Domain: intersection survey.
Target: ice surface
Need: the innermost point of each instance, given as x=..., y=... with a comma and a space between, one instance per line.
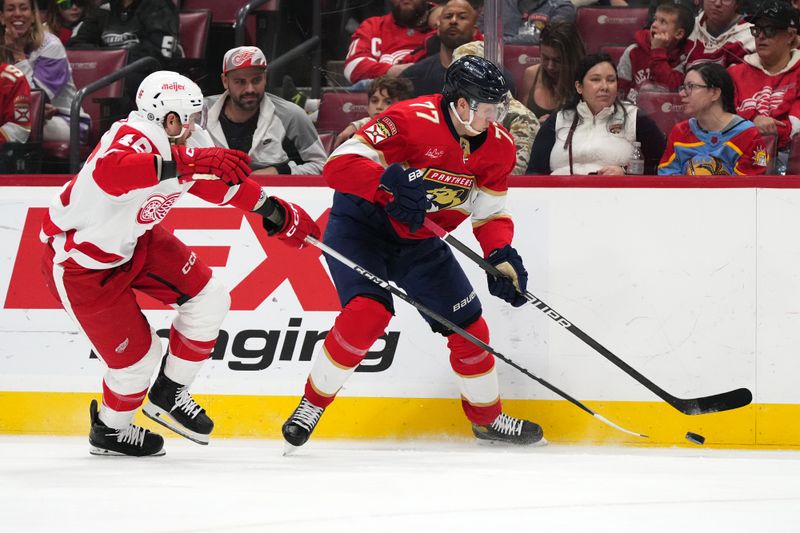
x=52, y=484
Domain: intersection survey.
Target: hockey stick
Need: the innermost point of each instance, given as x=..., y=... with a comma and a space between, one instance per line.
x=468, y=336
x=723, y=401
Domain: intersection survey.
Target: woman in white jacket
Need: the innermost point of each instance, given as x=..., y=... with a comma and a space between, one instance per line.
x=594, y=132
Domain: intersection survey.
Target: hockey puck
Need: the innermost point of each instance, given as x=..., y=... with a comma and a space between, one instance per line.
x=695, y=438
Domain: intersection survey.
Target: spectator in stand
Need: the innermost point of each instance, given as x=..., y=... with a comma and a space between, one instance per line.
x=146, y=28
x=277, y=134
x=15, y=113
x=456, y=27
x=523, y=20
x=594, y=132
x=547, y=85
x=389, y=44
x=383, y=91
x=520, y=121
x=768, y=82
x=715, y=141
x=64, y=17
x=720, y=34
x=42, y=58
x=657, y=59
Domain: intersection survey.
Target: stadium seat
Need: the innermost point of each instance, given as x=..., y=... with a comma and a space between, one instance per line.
x=337, y=110
x=88, y=66
x=614, y=50
x=516, y=58
x=665, y=108
x=599, y=26
x=37, y=116
x=193, y=38
x=327, y=139
x=225, y=12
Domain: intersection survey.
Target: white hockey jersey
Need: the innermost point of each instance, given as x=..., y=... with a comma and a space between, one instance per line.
x=97, y=218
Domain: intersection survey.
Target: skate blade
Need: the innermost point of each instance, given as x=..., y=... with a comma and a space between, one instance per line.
x=156, y=414
x=289, y=449
x=507, y=444
x=102, y=452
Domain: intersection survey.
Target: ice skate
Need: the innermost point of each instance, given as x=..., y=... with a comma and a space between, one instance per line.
x=298, y=428
x=172, y=406
x=510, y=430
x=132, y=440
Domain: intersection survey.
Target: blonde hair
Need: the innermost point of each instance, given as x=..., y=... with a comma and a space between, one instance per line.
x=34, y=38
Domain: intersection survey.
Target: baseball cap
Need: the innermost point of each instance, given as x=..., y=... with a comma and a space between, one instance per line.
x=780, y=14
x=243, y=57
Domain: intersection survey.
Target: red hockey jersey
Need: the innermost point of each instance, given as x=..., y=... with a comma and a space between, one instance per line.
x=15, y=100
x=759, y=93
x=727, y=48
x=642, y=66
x=463, y=177
x=379, y=43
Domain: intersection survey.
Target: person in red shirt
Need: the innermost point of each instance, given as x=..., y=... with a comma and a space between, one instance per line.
x=768, y=82
x=456, y=159
x=388, y=44
x=15, y=100
x=658, y=56
x=720, y=34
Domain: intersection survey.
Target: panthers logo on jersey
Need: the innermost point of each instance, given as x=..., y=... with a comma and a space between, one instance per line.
x=447, y=189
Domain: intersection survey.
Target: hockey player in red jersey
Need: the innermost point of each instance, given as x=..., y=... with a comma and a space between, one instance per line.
x=15, y=99
x=446, y=157
x=103, y=242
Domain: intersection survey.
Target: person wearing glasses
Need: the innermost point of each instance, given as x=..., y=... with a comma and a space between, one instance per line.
x=768, y=82
x=64, y=17
x=715, y=140
x=720, y=34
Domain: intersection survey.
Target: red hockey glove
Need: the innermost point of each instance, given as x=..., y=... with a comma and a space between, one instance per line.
x=231, y=166
x=288, y=221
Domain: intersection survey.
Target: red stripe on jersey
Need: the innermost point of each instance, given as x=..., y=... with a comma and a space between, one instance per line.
x=90, y=250
x=66, y=194
x=131, y=154
x=48, y=226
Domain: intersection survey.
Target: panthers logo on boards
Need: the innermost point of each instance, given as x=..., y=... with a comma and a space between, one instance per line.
x=447, y=189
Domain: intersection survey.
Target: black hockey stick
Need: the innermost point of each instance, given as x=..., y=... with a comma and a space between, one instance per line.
x=468, y=336
x=723, y=401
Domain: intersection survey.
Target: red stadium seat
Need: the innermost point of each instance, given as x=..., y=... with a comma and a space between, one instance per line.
x=224, y=12
x=37, y=116
x=599, y=26
x=337, y=110
x=327, y=140
x=614, y=50
x=665, y=108
x=516, y=58
x=193, y=33
x=88, y=66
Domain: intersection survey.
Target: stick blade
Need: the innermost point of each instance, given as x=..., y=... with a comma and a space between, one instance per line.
x=716, y=403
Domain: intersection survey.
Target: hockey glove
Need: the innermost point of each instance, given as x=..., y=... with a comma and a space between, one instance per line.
x=288, y=221
x=409, y=201
x=512, y=286
x=231, y=166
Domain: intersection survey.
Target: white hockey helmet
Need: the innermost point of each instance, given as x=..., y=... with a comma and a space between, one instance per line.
x=165, y=92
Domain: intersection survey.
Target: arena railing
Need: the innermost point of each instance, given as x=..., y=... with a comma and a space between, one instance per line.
x=75, y=110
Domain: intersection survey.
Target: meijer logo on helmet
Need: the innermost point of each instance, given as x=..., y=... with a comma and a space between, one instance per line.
x=174, y=86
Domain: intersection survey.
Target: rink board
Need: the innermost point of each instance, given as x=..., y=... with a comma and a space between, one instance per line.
x=691, y=282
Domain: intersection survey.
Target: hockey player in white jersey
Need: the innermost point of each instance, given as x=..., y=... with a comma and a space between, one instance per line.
x=103, y=242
